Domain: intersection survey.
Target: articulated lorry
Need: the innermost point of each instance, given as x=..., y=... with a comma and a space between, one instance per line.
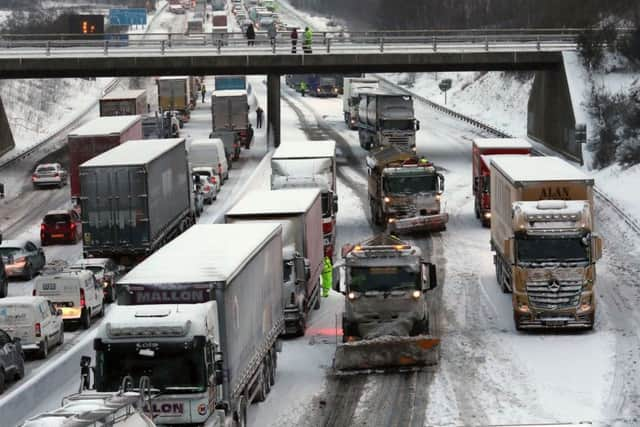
x=405, y=192
x=201, y=317
x=175, y=94
x=299, y=211
x=124, y=103
x=95, y=137
x=482, y=152
x=135, y=198
x=542, y=232
x=386, y=119
x=351, y=97
x=305, y=165
x=230, y=112
x=385, y=324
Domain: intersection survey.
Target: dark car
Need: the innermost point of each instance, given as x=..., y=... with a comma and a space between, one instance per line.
x=60, y=226
x=11, y=359
x=22, y=258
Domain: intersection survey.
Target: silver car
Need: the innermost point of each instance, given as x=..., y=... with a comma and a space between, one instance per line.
x=22, y=258
x=49, y=174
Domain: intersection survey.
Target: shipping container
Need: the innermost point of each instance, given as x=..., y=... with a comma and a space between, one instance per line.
x=134, y=198
x=96, y=137
x=124, y=103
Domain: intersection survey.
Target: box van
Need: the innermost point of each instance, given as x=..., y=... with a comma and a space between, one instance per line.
x=76, y=292
x=209, y=152
x=34, y=320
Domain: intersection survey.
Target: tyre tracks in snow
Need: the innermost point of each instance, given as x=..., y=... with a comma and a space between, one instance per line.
x=393, y=399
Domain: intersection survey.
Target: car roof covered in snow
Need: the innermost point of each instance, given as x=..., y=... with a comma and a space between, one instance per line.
x=123, y=94
x=535, y=169
x=135, y=152
x=305, y=150
x=105, y=126
x=15, y=243
x=21, y=300
x=274, y=202
x=487, y=143
x=204, y=253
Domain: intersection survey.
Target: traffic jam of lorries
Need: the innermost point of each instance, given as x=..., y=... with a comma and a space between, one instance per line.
x=220, y=318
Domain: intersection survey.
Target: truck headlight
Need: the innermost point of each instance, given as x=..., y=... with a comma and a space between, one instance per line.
x=438, y=197
x=351, y=295
x=387, y=200
x=487, y=215
x=416, y=294
x=391, y=220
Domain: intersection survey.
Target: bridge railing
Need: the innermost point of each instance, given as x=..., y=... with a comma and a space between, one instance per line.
x=324, y=42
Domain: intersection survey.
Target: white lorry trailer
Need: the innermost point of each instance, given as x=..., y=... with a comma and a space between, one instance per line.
x=299, y=212
x=305, y=165
x=351, y=99
x=201, y=318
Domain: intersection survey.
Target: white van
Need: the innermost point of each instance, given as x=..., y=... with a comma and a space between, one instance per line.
x=34, y=320
x=209, y=153
x=76, y=292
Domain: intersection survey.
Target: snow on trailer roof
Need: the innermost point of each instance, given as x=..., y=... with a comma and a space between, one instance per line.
x=105, y=126
x=229, y=92
x=533, y=169
x=172, y=77
x=274, y=202
x=487, y=143
x=204, y=253
x=486, y=158
x=135, y=152
x=305, y=150
x=124, y=94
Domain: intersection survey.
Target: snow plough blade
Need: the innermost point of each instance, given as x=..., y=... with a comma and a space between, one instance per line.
x=387, y=353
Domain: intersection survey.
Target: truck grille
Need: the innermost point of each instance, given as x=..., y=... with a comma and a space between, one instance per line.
x=404, y=211
x=553, y=295
x=399, y=140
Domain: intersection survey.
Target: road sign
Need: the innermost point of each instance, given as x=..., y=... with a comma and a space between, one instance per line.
x=445, y=85
x=128, y=16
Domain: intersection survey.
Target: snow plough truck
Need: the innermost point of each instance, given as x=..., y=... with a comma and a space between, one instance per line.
x=385, y=324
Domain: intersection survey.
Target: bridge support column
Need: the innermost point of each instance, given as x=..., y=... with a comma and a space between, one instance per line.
x=6, y=137
x=273, y=110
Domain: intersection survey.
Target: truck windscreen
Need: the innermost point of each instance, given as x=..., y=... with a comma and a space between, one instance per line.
x=410, y=184
x=551, y=249
x=383, y=279
x=161, y=362
x=397, y=124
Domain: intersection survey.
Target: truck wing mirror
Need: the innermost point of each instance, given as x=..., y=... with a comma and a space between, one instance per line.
x=337, y=273
x=335, y=204
x=417, y=124
x=596, y=248
x=429, y=275
x=299, y=265
x=441, y=182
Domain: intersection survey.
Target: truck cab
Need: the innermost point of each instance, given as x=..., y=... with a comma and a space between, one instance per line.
x=405, y=192
x=385, y=281
x=386, y=119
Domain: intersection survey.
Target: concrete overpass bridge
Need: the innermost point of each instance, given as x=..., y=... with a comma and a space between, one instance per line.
x=38, y=56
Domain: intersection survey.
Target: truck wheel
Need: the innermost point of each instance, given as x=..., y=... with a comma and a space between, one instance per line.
x=316, y=306
x=267, y=375
x=302, y=326
x=85, y=320
x=272, y=370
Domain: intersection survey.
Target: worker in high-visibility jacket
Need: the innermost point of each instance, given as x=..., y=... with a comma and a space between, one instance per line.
x=327, y=276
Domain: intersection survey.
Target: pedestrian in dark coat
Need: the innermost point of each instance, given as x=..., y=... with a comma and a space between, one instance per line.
x=294, y=40
x=251, y=35
x=259, y=112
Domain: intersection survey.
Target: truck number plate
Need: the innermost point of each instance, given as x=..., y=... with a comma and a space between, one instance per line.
x=55, y=236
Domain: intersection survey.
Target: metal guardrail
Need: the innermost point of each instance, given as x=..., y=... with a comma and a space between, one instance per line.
x=325, y=42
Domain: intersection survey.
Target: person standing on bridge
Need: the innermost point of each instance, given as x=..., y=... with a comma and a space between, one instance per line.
x=259, y=113
x=294, y=40
x=308, y=39
x=251, y=35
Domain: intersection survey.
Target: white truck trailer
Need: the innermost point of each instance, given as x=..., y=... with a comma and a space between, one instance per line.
x=351, y=99
x=299, y=212
x=310, y=165
x=201, y=317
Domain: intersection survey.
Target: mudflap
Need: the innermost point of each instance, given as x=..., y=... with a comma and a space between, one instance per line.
x=388, y=353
